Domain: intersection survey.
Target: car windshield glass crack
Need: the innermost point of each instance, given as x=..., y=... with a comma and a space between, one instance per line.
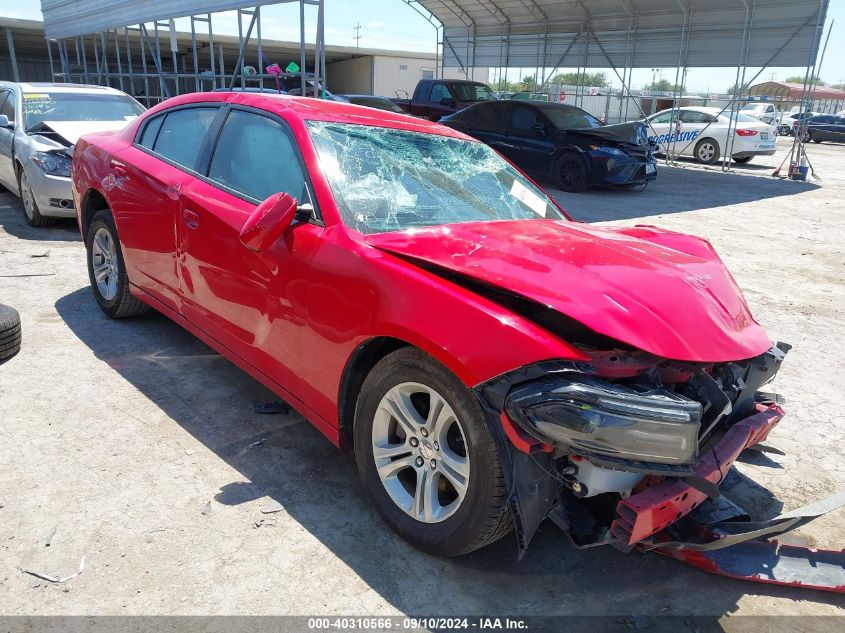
x=389, y=180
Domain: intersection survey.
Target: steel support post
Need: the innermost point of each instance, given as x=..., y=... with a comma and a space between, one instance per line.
x=10, y=42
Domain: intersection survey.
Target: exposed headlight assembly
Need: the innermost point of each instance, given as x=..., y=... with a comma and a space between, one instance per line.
x=52, y=163
x=615, y=151
x=581, y=412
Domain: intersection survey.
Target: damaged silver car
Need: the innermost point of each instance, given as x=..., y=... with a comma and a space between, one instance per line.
x=39, y=125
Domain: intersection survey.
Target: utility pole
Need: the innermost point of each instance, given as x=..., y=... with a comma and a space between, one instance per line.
x=357, y=35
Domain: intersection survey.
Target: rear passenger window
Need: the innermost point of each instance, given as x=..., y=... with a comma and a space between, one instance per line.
x=255, y=157
x=693, y=116
x=182, y=134
x=523, y=118
x=148, y=138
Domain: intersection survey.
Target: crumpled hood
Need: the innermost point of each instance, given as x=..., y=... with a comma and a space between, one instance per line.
x=665, y=293
x=630, y=133
x=70, y=131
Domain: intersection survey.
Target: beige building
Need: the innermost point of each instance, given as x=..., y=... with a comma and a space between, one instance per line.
x=389, y=73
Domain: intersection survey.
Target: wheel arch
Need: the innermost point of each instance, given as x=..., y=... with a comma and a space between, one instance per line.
x=359, y=365
x=92, y=202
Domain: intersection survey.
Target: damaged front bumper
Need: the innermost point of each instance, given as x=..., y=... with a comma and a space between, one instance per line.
x=636, y=463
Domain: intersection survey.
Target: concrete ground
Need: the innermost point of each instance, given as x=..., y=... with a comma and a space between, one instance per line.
x=131, y=443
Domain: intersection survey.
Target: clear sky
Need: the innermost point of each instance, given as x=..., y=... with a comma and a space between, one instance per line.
x=392, y=24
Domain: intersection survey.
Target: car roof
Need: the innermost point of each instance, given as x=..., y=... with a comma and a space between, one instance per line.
x=311, y=109
x=44, y=86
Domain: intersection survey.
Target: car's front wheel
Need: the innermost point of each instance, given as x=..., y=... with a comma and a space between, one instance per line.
x=426, y=457
x=106, y=269
x=571, y=172
x=31, y=212
x=707, y=151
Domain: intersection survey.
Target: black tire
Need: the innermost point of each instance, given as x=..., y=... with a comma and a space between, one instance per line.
x=571, y=173
x=10, y=333
x=805, y=136
x=814, y=139
x=707, y=151
x=743, y=159
x=483, y=516
x=122, y=304
x=31, y=212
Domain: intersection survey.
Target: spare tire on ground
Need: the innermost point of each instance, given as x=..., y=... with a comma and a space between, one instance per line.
x=10, y=332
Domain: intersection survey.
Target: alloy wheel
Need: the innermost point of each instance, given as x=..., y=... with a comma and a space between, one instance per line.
x=105, y=263
x=420, y=452
x=570, y=171
x=27, y=198
x=706, y=152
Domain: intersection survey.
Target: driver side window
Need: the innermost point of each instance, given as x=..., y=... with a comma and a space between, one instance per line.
x=439, y=92
x=256, y=157
x=8, y=107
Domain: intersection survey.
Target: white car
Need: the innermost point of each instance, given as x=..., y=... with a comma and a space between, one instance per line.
x=703, y=134
x=762, y=111
x=39, y=125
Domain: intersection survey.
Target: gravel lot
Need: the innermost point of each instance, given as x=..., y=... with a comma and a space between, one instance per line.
x=134, y=444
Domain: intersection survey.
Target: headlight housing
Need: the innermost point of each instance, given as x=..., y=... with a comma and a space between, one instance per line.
x=615, y=151
x=53, y=163
x=591, y=416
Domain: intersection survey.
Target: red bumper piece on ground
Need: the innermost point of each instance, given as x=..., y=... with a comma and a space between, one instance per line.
x=770, y=562
x=645, y=513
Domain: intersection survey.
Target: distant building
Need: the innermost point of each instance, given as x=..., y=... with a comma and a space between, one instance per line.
x=348, y=69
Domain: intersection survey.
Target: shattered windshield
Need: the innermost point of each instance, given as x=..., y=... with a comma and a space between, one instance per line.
x=78, y=106
x=389, y=180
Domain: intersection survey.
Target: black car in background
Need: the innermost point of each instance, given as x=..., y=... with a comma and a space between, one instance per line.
x=824, y=127
x=561, y=142
x=369, y=101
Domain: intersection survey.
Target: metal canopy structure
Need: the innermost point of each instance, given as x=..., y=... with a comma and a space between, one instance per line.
x=136, y=41
x=628, y=33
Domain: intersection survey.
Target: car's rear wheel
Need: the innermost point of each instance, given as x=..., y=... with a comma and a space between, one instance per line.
x=814, y=138
x=31, y=212
x=426, y=457
x=571, y=171
x=742, y=159
x=106, y=269
x=707, y=151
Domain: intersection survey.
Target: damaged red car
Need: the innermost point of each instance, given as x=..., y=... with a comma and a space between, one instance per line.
x=408, y=290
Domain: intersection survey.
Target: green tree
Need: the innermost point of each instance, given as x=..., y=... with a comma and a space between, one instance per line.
x=664, y=85
x=799, y=79
x=528, y=84
x=582, y=79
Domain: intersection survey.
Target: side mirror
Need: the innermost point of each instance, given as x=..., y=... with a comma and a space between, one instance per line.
x=4, y=122
x=539, y=127
x=268, y=222
x=447, y=102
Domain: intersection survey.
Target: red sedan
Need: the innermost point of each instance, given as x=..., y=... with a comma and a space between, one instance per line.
x=403, y=286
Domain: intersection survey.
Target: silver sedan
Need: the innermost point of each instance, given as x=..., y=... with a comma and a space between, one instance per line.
x=39, y=124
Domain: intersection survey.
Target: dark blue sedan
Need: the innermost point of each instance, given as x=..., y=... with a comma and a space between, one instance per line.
x=824, y=127
x=561, y=142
